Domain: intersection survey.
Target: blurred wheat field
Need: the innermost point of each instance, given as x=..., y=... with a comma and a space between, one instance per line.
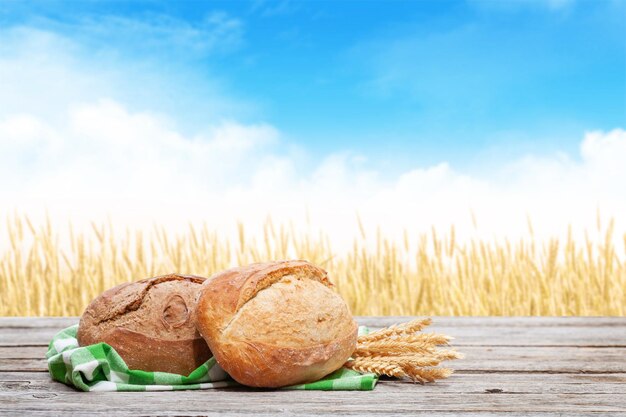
x=433, y=275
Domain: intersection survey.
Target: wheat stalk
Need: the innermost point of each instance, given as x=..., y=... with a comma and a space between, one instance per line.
x=418, y=343
x=49, y=271
x=400, y=351
x=400, y=370
x=365, y=365
x=396, y=330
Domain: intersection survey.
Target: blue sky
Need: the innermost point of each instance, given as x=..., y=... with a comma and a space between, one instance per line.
x=410, y=113
x=407, y=82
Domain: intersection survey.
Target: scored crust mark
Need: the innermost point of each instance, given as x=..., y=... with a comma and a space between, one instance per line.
x=137, y=299
x=264, y=275
x=303, y=303
x=175, y=312
x=256, y=277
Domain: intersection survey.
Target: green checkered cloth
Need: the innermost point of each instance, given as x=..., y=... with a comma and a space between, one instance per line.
x=100, y=368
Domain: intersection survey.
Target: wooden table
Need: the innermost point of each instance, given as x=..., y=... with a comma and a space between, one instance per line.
x=513, y=367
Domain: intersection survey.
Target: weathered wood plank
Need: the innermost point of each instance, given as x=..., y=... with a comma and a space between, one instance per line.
x=513, y=367
x=36, y=322
x=477, y=359
x=468, y=331
x=492, y=321
x=478, y=383
x=288, y=413
x=378, y=321
x=22, y=352
x=384, y=400
x=444, y=322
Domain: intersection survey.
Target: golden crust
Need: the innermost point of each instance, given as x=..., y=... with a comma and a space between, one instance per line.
x=270, y=366
x=266, y=358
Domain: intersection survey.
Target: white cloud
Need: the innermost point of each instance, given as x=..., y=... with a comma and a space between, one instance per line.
x=45, y=73
x=103, y=152
x=70, y=143
x=105, y=160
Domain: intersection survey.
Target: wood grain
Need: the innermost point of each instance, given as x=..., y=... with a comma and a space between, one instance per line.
x=468, y=331
x=476, y=383
x=477, y=359
x=513, y=367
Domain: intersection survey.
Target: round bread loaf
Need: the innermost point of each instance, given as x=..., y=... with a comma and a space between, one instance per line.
x=275, y=324
x=150, y=323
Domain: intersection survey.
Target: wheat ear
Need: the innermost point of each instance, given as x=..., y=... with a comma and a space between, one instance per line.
x=396, y=330
x=400, y=351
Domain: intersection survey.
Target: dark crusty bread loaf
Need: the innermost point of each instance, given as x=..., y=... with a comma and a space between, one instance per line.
x=275, y=324
x=150, y=323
